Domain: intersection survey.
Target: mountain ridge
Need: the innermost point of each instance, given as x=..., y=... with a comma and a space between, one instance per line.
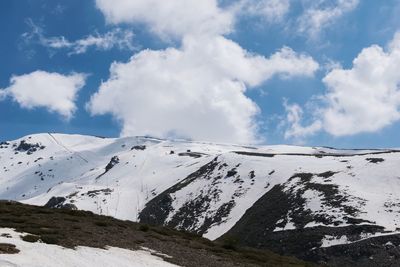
x=215, y=190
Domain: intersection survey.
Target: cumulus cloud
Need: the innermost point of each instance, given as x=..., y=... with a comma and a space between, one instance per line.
x=116, y=38
x=172, y=18
x=365, y=98
x=294, y=120
x=40, y=89
x=271, y=10
x=3, y=95
x=322, y=13
x=196, y=91
x=315, y=16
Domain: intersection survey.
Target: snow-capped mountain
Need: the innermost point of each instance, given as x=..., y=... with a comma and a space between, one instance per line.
x=304, y=201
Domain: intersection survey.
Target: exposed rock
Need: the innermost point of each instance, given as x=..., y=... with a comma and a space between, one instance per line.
x=23, y=146
x=375, y=160
x=59, y=203
x=139, y=147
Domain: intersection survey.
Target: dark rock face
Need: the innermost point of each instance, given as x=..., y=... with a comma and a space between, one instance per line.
x=191, y=154
x=4, y=144
x=114, y=161
x=375, y=160
x=331, y=197
x=158, y=209
x=374, y=251
x=255, y=154
x=23, y=146
x=94, y=193
x=231, y=173
x=58, y=203
x=140, y=147
x=187, y=217
x=256, y=227
x=281, y=220
x=263, y=224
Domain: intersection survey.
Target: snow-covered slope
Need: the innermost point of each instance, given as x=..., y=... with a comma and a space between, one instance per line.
x=207, y=188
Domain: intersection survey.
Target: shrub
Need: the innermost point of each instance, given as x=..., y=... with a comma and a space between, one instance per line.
x=18, y=220
x=8, y=249
x=31, y=238
x=50, y=239
x=72, y=219
x=144, y=228
x=101, y=224
x=230, y=243
x=162, y=231
x=47, y=230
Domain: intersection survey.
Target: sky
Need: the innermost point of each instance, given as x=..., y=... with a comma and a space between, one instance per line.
x=303, y=72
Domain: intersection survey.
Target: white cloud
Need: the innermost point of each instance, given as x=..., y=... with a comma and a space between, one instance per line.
x=53, y=91
x=3, y=95
x=116, y=38
x=329, y=64
x=320, y=14
x=294, y=119
x=271, y=10
x=365, y=98
x=197, y=91
x=59, y=9
x=172, y=18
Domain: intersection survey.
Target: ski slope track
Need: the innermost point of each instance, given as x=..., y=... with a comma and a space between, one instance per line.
x=316, y=203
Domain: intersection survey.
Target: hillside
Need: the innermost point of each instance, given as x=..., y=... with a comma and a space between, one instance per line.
x=60, y=237
x=316, y=203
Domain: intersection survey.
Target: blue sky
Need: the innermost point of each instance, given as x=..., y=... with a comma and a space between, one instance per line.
x=237, y=71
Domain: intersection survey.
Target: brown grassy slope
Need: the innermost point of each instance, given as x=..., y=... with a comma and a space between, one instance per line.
x=70, y=228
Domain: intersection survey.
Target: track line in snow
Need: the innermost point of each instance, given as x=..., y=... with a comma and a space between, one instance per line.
x=67, y=149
